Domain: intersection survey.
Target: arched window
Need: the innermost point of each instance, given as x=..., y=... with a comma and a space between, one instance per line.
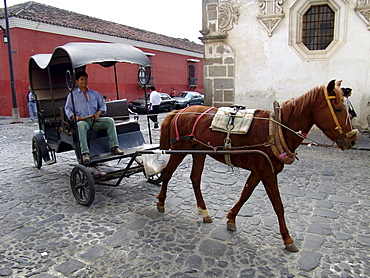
x=318, y=27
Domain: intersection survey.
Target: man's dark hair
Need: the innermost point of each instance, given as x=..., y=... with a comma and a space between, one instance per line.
x=346, y=91
x=81, y=73
x=152, y=88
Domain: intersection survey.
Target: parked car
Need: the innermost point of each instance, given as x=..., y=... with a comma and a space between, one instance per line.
x=138, y=105
x=187, y=98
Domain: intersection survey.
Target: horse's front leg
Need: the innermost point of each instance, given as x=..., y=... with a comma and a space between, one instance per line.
x=271, y=186
x=196, y=175
x=173, y=163
x=249, y=186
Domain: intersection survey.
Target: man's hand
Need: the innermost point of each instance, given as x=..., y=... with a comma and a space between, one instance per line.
x=96, y=116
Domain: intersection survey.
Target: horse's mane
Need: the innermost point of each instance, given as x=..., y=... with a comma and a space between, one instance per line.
x=296, y=106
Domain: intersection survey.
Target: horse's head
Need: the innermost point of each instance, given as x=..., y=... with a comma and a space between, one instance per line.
x=332, y=117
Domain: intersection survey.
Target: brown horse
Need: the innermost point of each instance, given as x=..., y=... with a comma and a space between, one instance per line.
x=322, y=106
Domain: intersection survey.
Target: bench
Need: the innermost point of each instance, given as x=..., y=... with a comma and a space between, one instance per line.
x=128, y=130
x=53, y=119
x=49, y=110
x=118, y=110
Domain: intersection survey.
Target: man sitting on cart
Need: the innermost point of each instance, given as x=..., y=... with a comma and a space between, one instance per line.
x=89, y=106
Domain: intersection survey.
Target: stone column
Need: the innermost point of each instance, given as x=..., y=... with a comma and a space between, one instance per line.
x=218, y=18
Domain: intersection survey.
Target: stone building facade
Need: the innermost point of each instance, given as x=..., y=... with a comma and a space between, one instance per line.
x=258, y=51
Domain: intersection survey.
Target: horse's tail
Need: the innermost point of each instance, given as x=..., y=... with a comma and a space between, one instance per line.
x=164, y=141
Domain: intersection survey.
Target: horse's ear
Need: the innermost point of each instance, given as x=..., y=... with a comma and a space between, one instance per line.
x=338, y=83
x=331, y=86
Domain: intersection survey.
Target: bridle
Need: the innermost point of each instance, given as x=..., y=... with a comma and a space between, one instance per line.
x=338, y=127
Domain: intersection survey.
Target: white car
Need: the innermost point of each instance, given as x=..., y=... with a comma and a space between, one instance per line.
x=187, y=98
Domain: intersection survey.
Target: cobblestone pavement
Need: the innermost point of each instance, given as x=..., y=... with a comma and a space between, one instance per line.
x=45, y=233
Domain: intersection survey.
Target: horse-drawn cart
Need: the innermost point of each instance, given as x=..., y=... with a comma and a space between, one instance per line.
x=269, y=142
x=52, y=79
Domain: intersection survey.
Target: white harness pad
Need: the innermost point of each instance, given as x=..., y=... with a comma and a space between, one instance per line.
x=239, y=125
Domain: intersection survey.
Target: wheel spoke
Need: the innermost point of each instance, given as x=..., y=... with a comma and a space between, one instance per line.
x=82, y=193
x=82, y=185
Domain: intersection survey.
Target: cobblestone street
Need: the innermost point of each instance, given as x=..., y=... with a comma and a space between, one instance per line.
x=45, y=233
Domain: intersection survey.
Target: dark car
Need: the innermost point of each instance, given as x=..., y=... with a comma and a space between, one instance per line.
x=138, y=105
x=187, y=98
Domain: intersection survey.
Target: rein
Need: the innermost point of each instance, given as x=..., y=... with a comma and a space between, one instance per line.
x=275, y=140
x=269, y=143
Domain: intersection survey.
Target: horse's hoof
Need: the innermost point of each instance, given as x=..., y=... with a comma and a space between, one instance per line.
x=160, y=208
x=207, y=219
x=291, y=247
x=231, y=227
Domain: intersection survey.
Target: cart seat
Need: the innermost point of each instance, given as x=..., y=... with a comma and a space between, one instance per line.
x=118, y=110
x=49, y=110
x=128, y=129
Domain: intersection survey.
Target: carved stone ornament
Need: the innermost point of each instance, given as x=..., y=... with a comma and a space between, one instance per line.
x=270, y=14
x=228, y=15
x=363, y=10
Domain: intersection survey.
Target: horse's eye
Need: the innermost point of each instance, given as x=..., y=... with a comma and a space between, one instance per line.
x=337, y=110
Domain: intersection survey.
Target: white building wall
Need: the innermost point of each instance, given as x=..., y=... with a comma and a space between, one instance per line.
x=268, y=68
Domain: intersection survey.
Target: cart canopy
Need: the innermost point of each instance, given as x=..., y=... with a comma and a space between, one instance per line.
x=48, y=72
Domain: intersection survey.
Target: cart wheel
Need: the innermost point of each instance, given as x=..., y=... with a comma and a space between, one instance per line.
x=36, y=153
x=155, y=179
x=82, y=185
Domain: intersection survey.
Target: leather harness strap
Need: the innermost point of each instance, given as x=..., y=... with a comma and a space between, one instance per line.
x=191, y=135
x=328, y=98
x=276, y=137
x=279, y=147
x=335, y=119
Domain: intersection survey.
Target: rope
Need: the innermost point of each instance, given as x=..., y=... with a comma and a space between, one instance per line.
x=266, y=144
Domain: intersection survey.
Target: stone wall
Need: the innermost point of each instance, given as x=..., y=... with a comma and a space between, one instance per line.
x=219, y=57
x=254, y=54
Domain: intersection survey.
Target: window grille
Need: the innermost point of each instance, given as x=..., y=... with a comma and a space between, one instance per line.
x=318, y=27
x=193, y=81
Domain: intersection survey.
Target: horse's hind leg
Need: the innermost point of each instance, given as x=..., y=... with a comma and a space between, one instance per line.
x=173, y=163
x=250, y=185
x=271, y=186
x=196, y=175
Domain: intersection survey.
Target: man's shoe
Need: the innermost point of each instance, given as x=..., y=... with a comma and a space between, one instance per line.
x=116, y=151
x=85, y=157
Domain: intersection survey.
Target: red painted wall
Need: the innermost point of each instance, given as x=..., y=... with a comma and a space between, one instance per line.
x=168, y=69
